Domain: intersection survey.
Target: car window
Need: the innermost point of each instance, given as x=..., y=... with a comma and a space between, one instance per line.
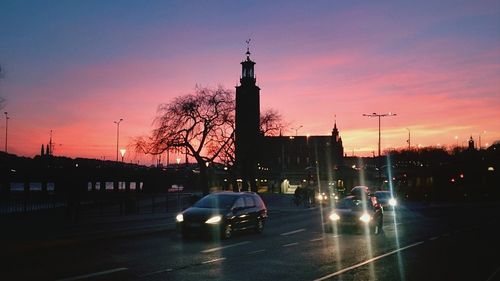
x=216, y=201
x=350, y=203
x=240, y=203
x=249, y=202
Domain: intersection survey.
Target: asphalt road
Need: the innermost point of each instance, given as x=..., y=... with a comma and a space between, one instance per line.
x=454, y=242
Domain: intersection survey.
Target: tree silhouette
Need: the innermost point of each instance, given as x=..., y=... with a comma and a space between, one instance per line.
x=200, y=123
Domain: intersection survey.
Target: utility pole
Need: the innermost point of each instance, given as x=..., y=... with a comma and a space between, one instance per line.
x=6, y=128
x=409, y=140
x=379, y=116
x=117, y=135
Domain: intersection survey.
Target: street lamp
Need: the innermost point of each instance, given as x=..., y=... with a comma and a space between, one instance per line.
x=409, y=140
x=484, y=132
x=379, y=116
x=6, y=128
x=297, y=129
x=117, y=135
x=122, y=152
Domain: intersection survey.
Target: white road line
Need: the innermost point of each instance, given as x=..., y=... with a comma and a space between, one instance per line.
x=256, y=252
x=96, y=274
x=156, y=272
x=291, y=244
x=214, y=260
x=446, y=235
x=493, y=275
x=433, y=238
x=293, y=232
x=317, y=239
x=224, y=247
x=367, y=261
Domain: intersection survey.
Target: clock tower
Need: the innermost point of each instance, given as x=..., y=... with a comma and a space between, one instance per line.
x=247, y=135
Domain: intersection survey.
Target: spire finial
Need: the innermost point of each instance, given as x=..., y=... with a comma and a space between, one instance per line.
x=248, y=47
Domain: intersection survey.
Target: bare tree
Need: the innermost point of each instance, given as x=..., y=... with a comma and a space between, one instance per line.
x=271, y=122
x=203, y=125
x=200, y=123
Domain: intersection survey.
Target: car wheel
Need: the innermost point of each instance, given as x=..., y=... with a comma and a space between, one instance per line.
x=259, y=227
x=228, y=231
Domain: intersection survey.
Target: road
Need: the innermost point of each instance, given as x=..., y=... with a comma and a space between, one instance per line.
x=449, y=242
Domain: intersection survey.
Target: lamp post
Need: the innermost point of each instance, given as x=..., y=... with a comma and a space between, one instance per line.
x=117, y=135
x=122, y=152
x=379, y=116
x=484, y=132
x=6, y=128
x=297, y=129
x=409, y=140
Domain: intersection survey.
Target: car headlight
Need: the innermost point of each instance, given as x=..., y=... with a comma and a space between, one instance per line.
x=320, y=197
x=393, y=202
x=334, y=217
x=365, y=218
x=179, y=218
x=214, y=220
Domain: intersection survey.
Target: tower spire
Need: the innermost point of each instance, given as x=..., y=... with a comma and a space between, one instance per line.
x=248, y=48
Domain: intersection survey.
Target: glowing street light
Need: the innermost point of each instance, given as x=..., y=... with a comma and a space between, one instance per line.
x=379, y=116
x=117, y=135
x=122, y=152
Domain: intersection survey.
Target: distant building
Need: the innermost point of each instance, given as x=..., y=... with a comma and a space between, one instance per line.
x=278, y=160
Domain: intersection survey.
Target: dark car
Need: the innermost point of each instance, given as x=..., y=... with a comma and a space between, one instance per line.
x=360, y=190
x=222, y=213
x=386, y=199
x=360, y=212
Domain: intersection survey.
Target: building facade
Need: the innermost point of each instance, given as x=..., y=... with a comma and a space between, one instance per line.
x=275, y=160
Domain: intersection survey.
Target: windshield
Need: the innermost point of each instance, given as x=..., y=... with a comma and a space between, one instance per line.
x=350, y=203
x=383, y=194
x=216, y=201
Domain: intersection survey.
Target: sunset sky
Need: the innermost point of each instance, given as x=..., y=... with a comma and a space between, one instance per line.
x=74, y=67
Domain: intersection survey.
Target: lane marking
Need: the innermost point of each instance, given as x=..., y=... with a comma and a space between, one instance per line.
x=317, y=239
x=212, y=261
x=224, y=247
x=293, y=232
x=493, y=275
x=291, y=244
x=368, y=261
x=156, y=272
x=433, y=238
x=256, y=252
x=96, y=274
x=446, y=235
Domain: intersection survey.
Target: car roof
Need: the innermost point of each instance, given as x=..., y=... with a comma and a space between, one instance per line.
x=233, y=193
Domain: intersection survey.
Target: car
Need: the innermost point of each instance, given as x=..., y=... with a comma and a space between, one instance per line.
x=357, y=211
x=386, y=199
x=222, y=213
x=360, y=190
x=326, y=198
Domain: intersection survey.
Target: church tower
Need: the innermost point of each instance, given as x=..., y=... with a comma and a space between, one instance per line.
x=247, y=135
x=337, y=146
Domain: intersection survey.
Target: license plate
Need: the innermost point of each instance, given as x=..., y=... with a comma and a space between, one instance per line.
x=194, y=224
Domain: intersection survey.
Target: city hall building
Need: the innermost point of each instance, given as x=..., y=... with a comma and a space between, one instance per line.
x=281, y=162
